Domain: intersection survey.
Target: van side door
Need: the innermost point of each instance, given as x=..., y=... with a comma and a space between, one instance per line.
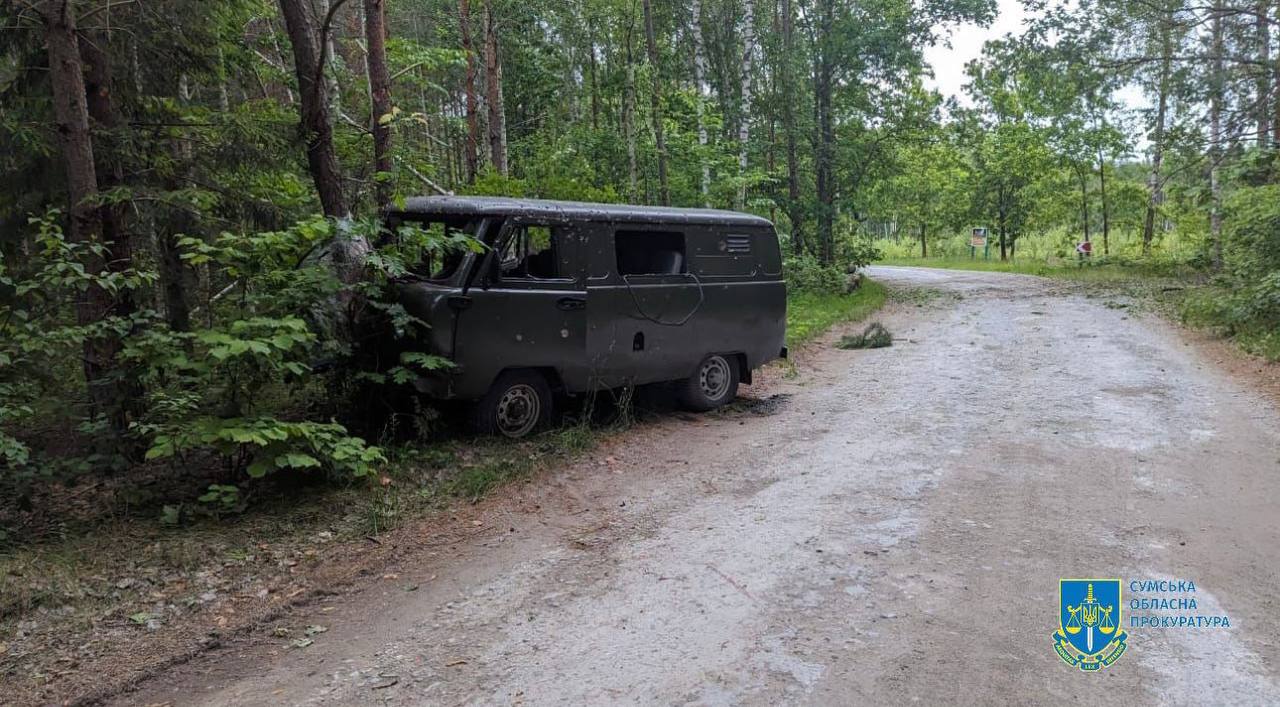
x=526, y=308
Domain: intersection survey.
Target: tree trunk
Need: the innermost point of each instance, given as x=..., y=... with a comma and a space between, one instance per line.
x=471, y=152
x=1106, y=209
x=116, y=238
x=1275, y=86
x=316, y=128
x=375, y=30
x=655, y=104
x=175, y=276
x=109, y=167
x=1216, y=98
x=71, y=111
x=771, y=143
x=280, y=58
x=700, y=84
x=629, y=116
x=924, y=243
x=1000, y=224
x=823, y=73
x=744, y=118
x=1084, y=201
x=493, y=88
x=591, y=73
x=346, y=250
x=333, y=92
x=1155, y=184
x=789, y=127
x=224, y=94
x=1263, y=31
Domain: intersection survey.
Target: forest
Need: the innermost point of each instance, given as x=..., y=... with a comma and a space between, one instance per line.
x=190, y=253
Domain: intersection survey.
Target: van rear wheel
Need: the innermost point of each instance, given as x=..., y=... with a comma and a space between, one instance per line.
x=517, y=404
x=714, y=383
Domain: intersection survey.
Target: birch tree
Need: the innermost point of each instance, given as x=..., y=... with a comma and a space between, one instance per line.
x=744, y=122
x=655, y=103
x=701, y=93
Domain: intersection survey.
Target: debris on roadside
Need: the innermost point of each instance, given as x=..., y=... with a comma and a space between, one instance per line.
x=875, y=336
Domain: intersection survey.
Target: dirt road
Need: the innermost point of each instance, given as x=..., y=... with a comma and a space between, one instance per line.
x=891, y=528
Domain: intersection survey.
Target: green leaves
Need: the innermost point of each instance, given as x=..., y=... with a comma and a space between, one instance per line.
x=13, y=453
x=222, y=389
x=269, y=445
x=414, y=245
x=223, y=498
x=42, y=345
x=413, y=364
x=261, y=338
x=425, y=362
x=1247, y=304
x=296, y=460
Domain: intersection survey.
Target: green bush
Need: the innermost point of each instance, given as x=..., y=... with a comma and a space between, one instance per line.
x=1245, y=302
x=265, y=444
x=806, y=274
x=41, y=343
x=240, y=387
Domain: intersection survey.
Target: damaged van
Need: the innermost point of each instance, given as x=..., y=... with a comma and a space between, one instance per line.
x=566, y=298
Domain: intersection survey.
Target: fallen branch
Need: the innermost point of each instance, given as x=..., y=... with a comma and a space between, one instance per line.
x=427, y=180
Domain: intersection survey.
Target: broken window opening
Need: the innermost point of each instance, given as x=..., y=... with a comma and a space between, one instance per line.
x=650, y=252
x=433, y=250
x=530, y=252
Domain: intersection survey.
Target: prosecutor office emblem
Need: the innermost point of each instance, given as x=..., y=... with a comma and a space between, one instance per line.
x=1089, y=636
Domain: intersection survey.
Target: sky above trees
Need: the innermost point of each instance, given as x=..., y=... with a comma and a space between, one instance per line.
x=966, y=42
x=948, y=60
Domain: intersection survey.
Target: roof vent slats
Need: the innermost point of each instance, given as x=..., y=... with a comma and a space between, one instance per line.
x=737, y=244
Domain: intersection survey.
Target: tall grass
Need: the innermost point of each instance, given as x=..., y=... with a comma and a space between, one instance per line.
x=809, y=314
x=1093, y=270
x=1056, y=247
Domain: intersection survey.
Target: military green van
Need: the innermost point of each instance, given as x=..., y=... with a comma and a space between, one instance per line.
x=570, y=297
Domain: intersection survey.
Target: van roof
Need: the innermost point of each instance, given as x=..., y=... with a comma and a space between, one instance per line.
x=580, y=210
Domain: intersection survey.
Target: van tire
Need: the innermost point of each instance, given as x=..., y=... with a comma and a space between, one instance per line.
x=518, y=404
x=714, y=383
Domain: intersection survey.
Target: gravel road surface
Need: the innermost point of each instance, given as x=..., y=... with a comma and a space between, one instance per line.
x=886, y=526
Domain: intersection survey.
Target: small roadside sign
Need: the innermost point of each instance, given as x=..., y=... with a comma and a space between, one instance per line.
x=978, y=239
x=1084, y=249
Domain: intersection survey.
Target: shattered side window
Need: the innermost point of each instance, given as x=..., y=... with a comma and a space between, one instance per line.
x=436, y=249
x=530, y=252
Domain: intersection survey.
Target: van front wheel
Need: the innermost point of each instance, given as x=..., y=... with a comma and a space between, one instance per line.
x=518, y=403
x=714, y=383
